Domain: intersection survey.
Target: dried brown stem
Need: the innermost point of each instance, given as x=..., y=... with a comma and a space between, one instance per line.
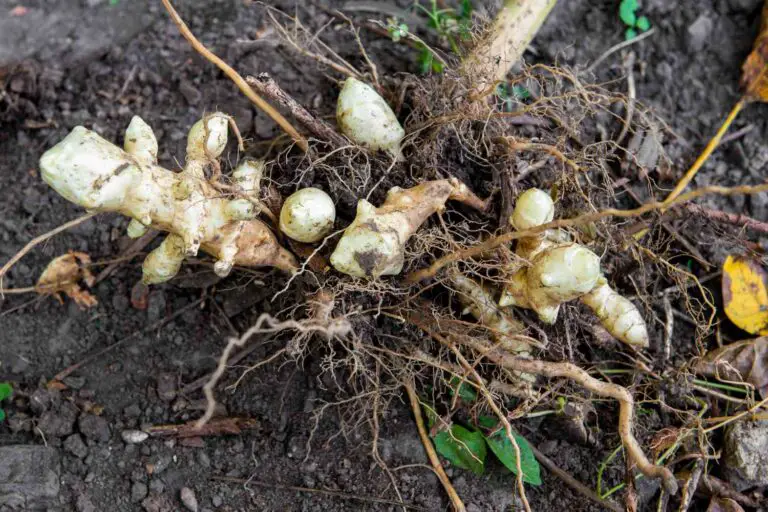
x=217, y=427
x=506, y=238
x=236, y=78
x=458, y=505
x=736, y=219
x=266, y=86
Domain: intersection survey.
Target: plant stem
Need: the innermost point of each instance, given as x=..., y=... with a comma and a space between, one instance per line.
x=683, y=183
x=513, y=29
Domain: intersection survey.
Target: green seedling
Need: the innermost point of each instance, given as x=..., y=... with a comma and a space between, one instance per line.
x=466, y=446
x=628, y=14
x=6, y=391
x=451, y=25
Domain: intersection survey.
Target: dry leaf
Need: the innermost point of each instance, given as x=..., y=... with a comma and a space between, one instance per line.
x=745, y=294
x=724, y=505
x=62, y=275
x=754, y=72
x=743, y=361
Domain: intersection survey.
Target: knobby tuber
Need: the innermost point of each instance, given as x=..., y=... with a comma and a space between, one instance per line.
x=365, y=117
x=95, y=174
x=374, y=244
x=560, y=271
x=307, y=215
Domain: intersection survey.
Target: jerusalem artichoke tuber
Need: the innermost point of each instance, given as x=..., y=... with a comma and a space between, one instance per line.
x=365, y=117
x=307, y=215
x=93, y=173
x=374, y=244
x=561, y=271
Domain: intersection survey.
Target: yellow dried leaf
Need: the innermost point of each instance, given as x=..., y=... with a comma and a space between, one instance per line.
x=754, y=76
x=62, y=275
x=745, y=294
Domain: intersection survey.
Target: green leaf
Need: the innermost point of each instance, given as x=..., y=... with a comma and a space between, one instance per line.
x=465, y=9
x=488, y=422
x=463, y=448
x=643, y=23
x=627, y=10
x=6, y=390
x=521, y=92
x=2, y=415
x=466, y=392
x=505, y=452
x=630, y=34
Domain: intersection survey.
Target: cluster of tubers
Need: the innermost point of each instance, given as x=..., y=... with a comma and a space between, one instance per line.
x=97, y=175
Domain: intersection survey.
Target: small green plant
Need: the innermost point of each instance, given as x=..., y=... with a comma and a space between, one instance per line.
x=509, y=95
x=451, y=25
x=467, y=446
x=628, y=14
x=6, y=391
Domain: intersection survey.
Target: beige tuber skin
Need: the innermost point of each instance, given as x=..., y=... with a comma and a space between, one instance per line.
x=92, y=172
x=374, y=244
x=560, y=271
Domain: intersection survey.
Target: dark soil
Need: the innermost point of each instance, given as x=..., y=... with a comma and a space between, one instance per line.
x=85, y=62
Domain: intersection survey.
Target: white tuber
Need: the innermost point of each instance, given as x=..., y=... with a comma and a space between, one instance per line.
x=365, y=117
x=534, y=207
x=307, y=215
x=94, y=173
x=560, y=271
x=556, y=275
x=617, y=314
x=374, y=244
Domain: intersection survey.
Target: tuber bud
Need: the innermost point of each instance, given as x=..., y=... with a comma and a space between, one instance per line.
x=307, y=215
x=365, y=117
x=617, y=314
x=374, y=244
x=92, y=172
x=534, y=207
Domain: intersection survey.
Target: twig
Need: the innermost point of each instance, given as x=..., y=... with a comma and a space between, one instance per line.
x=686, y=179
x=458, y=505
x=38, y=240
x=216, y=427
x=136, y=247
x=737, y=219
x=613, y=49
x=266, y=86
x=505, y=238
x=629, y=64
x=737, y=134
x=669, y=326
x=335, y=494
x=236, y=78
x=691, y=484
x=68, y=371
x=715, y=487
x=573, y=483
